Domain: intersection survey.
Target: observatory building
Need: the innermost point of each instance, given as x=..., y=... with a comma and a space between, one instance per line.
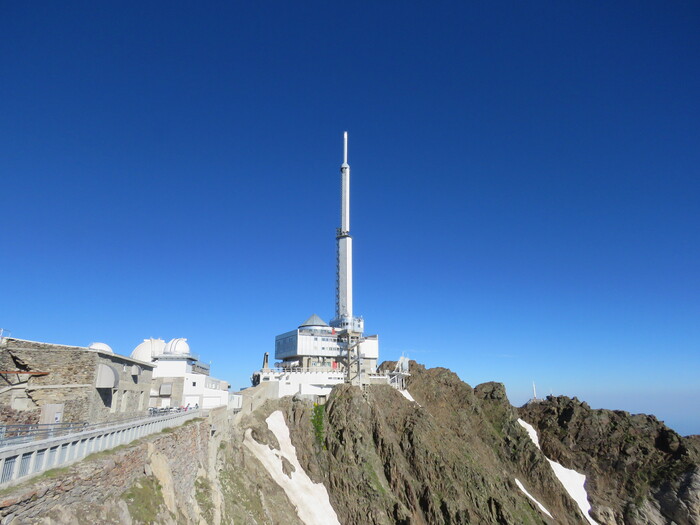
x=317, y=355
x=179, y=377
x=53, y=383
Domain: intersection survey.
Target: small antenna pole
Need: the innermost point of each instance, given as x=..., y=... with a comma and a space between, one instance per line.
x=534, y=391
x=345, y=147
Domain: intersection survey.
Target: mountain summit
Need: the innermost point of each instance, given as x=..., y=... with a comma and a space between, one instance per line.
x=440, y=452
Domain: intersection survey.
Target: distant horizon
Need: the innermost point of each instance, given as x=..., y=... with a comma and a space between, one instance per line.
x=676, y=420
x=524, y=185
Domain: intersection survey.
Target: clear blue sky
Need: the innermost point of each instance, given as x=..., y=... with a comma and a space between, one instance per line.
x=525, y=184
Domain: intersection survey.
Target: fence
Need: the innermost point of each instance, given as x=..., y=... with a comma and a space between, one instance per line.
x=22, y=460
x=15, y=434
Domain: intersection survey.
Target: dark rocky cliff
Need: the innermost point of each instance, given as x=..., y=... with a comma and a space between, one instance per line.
x=639, y=471
x=453, y=459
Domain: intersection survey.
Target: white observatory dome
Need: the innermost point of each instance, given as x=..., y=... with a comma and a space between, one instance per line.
x=148, y=349
x=177, y=346
x=101, y=347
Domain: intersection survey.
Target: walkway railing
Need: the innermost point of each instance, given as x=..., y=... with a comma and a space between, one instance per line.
x=23, y=460
x=299, y=370
x=16, y=434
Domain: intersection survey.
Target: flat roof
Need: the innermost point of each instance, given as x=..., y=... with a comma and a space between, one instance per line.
x=8, y=340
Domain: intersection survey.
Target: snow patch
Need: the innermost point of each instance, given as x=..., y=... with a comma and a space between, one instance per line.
x=530, y=432
x=572, y=481
x=310, y=499
x=407, y=395
x=520, y=486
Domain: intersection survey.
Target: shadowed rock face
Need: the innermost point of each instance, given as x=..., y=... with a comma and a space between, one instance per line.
x=453, y=459
x=639, y=470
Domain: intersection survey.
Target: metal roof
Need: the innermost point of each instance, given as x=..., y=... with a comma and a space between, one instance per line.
x=314, y=320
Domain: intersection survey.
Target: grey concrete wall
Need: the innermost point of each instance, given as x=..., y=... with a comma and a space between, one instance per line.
x=176, y=397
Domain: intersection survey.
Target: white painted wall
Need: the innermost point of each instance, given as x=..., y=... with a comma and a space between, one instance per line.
x=290, y=383
x=370, y=347
x=324, y=344
x=235, y=401
x=177, y=368
x=197, y=388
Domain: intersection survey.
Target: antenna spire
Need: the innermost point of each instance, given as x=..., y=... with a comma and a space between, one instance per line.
x=345, y=147
x=343, y=303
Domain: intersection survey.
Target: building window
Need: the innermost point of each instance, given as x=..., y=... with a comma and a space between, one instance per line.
x=106, y=396
x=194, y=383
x=115, y=401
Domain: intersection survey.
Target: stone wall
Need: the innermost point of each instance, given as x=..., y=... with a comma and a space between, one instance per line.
x=18, y=417
x=176, y=396
x=93, y=490
x=70, y=380
x=131, y=396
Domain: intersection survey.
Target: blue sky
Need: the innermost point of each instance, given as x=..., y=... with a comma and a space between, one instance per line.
x=524, y=199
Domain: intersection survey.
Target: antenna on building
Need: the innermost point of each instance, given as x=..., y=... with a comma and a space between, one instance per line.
x=534, y=391
x=345, y=147
x=343, y=288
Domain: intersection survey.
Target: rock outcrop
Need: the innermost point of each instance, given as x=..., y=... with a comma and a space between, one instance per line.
x=639, y=470
x=453, y=459
x=457, y=455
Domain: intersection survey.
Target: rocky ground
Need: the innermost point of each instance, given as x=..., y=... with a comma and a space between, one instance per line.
x=639, y=471
x=451, y=457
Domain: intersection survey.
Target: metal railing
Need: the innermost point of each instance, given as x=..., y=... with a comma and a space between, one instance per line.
x=16, y=434
x=299, y=370
x=319, y=370
x=19, y=460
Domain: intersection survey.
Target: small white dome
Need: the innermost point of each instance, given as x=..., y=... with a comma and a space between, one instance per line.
x=177, y=346
x=148, y=349
x=102, y=347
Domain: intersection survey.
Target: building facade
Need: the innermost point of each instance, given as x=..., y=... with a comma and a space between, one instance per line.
x=52, y=383
x=315, y=345
x=180, y=379
x=316, y=356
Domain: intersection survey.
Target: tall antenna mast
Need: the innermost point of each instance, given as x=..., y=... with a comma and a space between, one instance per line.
x=345, y=147
x=343, y=287
x=534, y=391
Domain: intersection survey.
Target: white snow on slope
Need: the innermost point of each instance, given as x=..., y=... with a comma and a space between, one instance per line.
x=572, y=481
x=530, y=432
x=407, y=395
x=520, y=486
x=311, y=499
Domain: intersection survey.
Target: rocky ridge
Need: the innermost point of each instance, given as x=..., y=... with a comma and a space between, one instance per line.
x=639, y=470
x=451, y=457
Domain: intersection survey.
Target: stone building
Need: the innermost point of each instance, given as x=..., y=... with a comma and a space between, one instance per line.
x=49, y=383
